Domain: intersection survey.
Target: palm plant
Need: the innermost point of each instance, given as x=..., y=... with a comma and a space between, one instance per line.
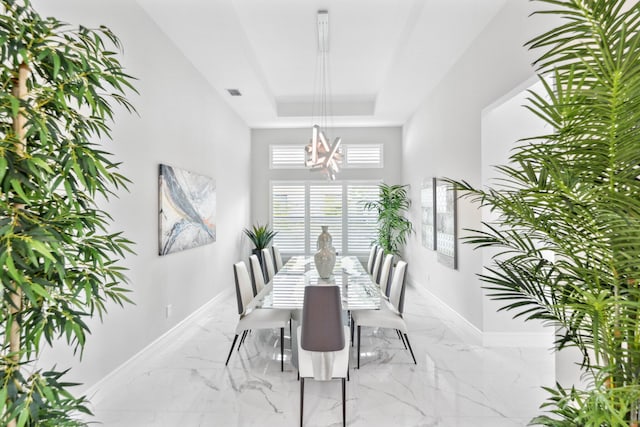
x=393, y=226
x=59, y=262
x=568, y=227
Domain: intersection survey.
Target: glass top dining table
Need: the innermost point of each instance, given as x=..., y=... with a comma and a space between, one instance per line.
x=286, y=289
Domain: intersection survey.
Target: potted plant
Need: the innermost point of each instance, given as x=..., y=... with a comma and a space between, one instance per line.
x=568, y=231
x=60, y=264
x=260, y=235
x=393, y=226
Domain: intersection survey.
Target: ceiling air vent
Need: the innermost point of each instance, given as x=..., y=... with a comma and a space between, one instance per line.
x=234, y=92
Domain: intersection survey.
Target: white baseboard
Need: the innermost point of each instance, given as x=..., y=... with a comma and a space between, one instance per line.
x=103, y=383
x=474, y=335
x=488, y=339
x=517, y=339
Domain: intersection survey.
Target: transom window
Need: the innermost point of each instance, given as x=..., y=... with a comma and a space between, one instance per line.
x=292, y=156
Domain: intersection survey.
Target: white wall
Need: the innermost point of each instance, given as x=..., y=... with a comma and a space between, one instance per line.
x=443, y=138
x=261, y=175
x=184, y=123
x=503, y=123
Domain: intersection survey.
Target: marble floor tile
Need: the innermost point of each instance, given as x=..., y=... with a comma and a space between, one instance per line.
x=456, y=383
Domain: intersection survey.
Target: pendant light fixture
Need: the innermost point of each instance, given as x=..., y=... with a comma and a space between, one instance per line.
x=321, y=154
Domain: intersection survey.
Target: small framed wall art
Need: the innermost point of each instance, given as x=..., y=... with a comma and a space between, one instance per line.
x=446, y=223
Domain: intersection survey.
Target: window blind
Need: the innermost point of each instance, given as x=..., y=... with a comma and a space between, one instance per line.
x=361, y=223
x=288, y=217
x=325, y=208
x=299, y=209
x=290, y=156
x=362, y=156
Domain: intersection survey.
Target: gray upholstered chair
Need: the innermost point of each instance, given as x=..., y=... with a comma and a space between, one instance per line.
x=267, y=261
x=256, y=274
x=277, y=258
x=390, y=313
x=322, y=349
x=255, y=318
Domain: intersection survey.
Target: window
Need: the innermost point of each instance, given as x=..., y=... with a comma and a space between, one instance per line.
x=361, y=223
x=288, y=217
x=362, y=156
x=292, y=156
x=299, y=209
x=325, y=208
x=286, y=156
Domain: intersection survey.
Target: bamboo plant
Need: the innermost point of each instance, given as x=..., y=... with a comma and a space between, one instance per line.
x=393, y=227
x=59, y=260
x=568, y=206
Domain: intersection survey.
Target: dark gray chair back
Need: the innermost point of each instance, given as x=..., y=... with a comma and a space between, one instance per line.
x=322, y=326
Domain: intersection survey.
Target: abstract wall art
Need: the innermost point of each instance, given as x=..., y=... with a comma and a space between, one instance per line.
x=428, y=212
x=446, y=242
x=187, y=210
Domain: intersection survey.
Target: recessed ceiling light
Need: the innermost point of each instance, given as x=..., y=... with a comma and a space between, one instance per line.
x=234, y=92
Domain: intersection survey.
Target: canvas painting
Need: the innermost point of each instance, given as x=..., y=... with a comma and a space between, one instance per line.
x=187, y=210
x=428, y=214
x=446, y=223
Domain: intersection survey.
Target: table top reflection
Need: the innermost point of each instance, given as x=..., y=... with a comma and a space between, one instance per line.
x=286, y=289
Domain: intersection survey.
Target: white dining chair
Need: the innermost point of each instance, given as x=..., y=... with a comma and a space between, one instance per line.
x=323, y=353
x=372, y=258
x=390, y=313
x=256, y=318
x=377, y=262
x=383, y=278
x=277, y=258
x=269, y=268
x=256, y=274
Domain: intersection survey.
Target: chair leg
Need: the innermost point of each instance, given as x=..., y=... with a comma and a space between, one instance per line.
x=244, y=335
x=406, y=337
x=281, y=349
x=359, y=346
x=231, y=351
x=351, y=327
x=301, y=399
x=402, y=338
x=344, y=401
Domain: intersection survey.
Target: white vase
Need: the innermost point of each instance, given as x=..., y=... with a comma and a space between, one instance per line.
x=325, y=258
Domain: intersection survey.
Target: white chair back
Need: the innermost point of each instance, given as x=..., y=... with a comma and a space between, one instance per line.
x=267, y=259
x=269, y=269
x=244, y=291
x=396, y=289
x=372, y=257
x=277, y=258
x=376, y=264
x=383, y=280
x=256, y=272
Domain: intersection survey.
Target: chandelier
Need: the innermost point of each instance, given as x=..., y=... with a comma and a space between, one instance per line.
x=321, y=155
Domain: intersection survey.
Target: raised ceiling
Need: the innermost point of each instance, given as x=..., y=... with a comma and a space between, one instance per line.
x=385, y=55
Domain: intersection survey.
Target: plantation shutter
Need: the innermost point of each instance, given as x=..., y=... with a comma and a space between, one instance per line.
x=362, y=156
x=288, y=216
x=361, y=223
x=286, y=156
x=325, y=208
